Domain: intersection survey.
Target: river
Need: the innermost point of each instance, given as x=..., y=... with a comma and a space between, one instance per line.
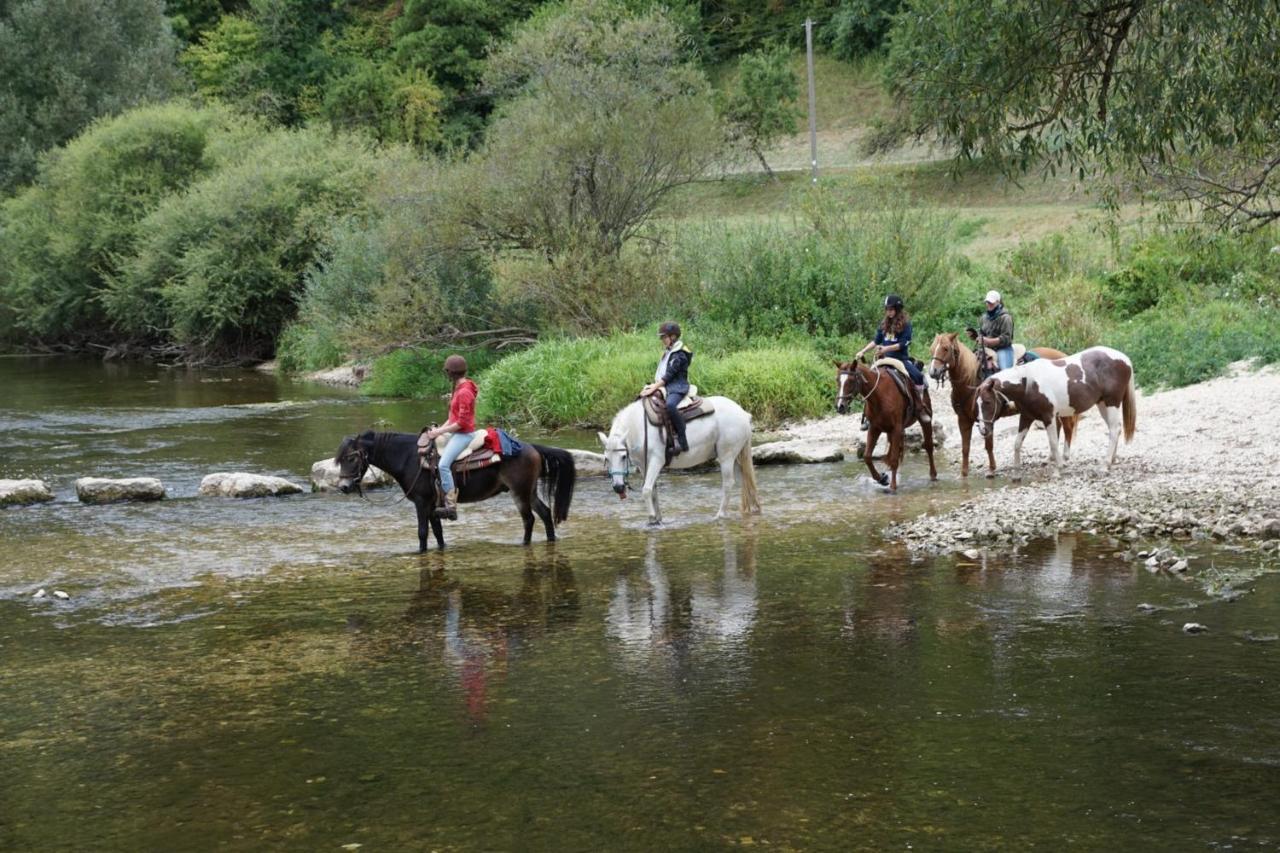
x=288, y=674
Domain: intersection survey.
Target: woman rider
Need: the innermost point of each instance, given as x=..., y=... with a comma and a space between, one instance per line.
x=673, y=375
x=892, y=339
x=461, y=427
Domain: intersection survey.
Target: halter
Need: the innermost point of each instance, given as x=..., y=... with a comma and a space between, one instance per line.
x=951, y=361
x=362, y=458
x=867, y=396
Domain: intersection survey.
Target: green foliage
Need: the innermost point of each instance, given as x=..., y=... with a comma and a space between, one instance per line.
x=1183, y=344
x=1088, y=85
x=585, y=381
x=64, y=237
x=222, y=265
x=419, y=373
x=827, y=275
x=761, y=108
x=394, y=106
x=859, y=27
x=64, y=63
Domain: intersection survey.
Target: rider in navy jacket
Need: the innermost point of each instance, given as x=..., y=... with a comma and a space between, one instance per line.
x=673, y=375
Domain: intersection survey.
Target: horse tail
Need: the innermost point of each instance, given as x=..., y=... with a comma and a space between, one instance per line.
x=559, y=474
x=1130, y=409
x=750, y=497
x=1069, y=424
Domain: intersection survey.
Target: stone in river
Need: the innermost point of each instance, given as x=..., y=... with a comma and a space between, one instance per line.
x=19, y=492
x=324, y=477
x=788, y=452
x=587, y=463
x=242, y=485
x=99, y=490
x=1194, y=628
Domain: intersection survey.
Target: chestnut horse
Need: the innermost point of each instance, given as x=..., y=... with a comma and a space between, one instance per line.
x=950, y=357
x=885, y=408
x=1049, y=388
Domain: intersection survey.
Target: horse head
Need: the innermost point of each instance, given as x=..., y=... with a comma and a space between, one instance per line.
x=991, y=402
x=942, y=354
x=353, y=461
x=848, y=384
x=617, y=460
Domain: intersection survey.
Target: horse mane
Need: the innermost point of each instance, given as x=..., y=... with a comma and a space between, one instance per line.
x=966, y=362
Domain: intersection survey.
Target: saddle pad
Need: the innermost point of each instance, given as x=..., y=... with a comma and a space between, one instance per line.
x=1018, y=352
x=896, y=364
x=474, y=461
x=690, y=408
x=477, y=442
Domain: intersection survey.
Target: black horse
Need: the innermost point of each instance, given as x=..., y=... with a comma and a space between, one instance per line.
x=397, y=454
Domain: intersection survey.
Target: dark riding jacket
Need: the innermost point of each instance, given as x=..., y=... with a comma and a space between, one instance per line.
x=903, y=340
x=998, y=324
x=676, y=379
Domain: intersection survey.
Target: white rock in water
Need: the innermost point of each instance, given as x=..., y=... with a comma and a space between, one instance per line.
x=57, y=593
x=18, y=492
x=99, y=490
x=1194, y=628
x=588, y=464
x=324, y=477
x=972, y=554
x=788, y=452
x=40, y=593
x=242, y=485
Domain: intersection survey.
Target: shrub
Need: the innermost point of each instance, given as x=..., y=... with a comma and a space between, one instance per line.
x=1182, y=344
x=64, y=238
x=225, y=261
x=419, y=373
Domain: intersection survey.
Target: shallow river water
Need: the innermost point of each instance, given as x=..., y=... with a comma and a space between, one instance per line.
x=289, y=674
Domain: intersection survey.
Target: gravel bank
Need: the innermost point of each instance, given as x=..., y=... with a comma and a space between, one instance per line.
x=1204, y=463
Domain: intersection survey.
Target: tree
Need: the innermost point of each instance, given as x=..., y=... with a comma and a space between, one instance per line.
x=1184, y=91
x=761, y=109
x=64, y=63
x=605, y=115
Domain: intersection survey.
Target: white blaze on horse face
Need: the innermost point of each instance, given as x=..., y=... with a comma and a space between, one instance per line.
x=842, y=395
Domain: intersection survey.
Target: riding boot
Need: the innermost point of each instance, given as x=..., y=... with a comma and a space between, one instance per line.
x=924, y=413
x=677, y=426
x=449, y=511
x=866, y=425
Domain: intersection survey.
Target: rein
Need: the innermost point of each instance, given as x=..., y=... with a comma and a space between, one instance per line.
x=363, y=457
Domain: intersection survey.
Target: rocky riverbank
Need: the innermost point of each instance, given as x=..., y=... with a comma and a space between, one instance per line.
x=1204, y=463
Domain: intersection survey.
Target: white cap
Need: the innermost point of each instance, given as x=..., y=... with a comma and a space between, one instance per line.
x=993, y=296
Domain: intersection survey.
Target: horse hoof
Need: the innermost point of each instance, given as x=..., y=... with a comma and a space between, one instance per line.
x=884, y=480
x=991, y=475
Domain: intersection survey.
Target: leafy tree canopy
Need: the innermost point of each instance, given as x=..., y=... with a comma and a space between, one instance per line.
x=1185, y=90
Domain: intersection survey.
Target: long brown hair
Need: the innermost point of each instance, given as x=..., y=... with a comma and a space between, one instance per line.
x=899, y=321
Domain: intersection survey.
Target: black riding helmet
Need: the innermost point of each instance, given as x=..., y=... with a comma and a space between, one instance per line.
x=669, y=328
x=893, y=300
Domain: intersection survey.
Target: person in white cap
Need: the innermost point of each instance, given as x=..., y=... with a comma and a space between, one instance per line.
x=996, y=330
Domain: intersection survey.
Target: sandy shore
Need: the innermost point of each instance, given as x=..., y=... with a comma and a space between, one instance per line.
x=1205, y=462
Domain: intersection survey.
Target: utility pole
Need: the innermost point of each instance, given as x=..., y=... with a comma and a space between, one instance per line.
x=813, y=114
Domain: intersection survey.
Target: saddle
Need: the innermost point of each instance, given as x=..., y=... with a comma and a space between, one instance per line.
x=691, y=407
x=473, y=458
x=988, y=365
x=900, y=378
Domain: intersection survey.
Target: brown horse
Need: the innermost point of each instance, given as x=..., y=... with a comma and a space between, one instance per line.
x=886, y=410
x=949, y=357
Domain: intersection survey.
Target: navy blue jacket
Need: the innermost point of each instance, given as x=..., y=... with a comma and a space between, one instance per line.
x=903, y=340
x=676, y=379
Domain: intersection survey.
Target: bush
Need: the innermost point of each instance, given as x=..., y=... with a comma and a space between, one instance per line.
x=64, y=238
x=1184, y=344
x=827, y=275
x=419, y=373
x=586, y=381
x=224, y=262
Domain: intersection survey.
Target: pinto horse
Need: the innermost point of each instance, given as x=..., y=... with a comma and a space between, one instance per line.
x=397, y=454
x=1069, y=386
x=886, y=410
x=949, y=357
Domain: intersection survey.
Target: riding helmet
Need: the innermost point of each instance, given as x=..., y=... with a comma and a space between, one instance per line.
x=893, y=300
x=455, y=365
x=669, y=328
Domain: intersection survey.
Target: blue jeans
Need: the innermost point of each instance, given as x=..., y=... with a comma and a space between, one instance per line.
x=1004, y=358
x=457, y=443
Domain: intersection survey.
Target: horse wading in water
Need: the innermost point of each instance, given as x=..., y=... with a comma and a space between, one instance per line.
x=950, y=358
x=397, y=454
x=885, y=405
x=1045, y=388
x=724, y=435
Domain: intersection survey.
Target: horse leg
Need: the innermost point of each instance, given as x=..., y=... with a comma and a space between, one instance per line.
x=966, y=433
x=895, y=456
x=650, y=492
x=1113, y=417
x=989, y=441
x=1052, y=432
x=544, y=512
x=927, y=431
x=1024, y=427
x=437, y=528
x=873, y=436
x=424, y=523
x=526, y=514
x=1061, y=426
x=727, y=463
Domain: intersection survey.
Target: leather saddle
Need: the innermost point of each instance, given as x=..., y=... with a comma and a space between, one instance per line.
x=898, y=373
x=475, y=457
x=691, y=407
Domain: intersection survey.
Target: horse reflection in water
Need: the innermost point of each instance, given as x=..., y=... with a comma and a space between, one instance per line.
x=482, y=631
x=662, y=625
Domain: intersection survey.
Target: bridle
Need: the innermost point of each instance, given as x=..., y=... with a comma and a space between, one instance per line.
x=841, y=396
x=949, y=363
x=361, y=457
x=1001, y=402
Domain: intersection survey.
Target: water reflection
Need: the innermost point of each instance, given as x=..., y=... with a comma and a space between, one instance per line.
x=659, y=623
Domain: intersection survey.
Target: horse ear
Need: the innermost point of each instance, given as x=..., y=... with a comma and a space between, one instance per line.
x=604, y=439
x=837, y=364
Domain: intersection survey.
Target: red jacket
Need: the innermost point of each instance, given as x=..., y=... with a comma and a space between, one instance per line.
x=462, y=407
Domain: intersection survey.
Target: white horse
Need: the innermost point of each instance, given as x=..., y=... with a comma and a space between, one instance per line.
x=724, y=435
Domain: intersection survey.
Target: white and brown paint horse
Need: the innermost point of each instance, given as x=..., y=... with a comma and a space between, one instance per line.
x=1045, y=388
x=951, y=358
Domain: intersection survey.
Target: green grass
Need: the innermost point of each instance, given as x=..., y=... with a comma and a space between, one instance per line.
x=418, y=373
